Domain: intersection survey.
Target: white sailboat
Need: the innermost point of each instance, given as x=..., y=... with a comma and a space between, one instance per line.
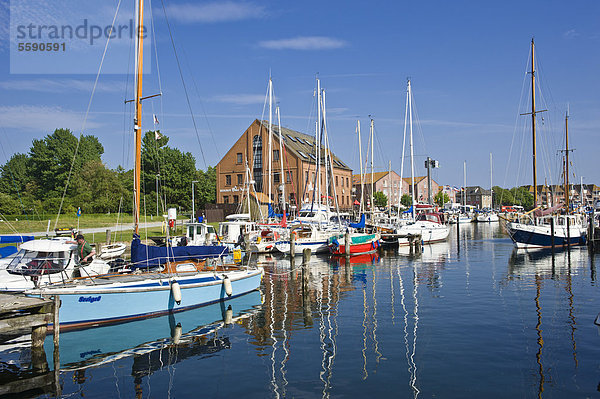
x=428, y=224
x=488, y=215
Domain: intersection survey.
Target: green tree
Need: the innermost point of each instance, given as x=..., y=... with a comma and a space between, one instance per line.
x=441, y=198
x=406, y=200
x=177, y=170
x=51, y=159
x=9, y=205
x=380, y=199
x=97, y=189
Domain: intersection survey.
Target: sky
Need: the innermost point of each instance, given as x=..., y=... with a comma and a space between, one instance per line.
x=467, y=62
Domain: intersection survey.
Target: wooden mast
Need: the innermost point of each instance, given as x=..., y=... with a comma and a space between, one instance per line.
x=138, y=116
x=533, y=123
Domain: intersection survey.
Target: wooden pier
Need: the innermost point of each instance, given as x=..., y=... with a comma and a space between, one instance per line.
x=20, y=315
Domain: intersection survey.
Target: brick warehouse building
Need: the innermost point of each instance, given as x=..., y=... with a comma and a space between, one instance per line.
x=299, y=165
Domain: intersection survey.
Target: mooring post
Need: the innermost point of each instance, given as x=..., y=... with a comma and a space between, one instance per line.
x=292, y=244
x=306, y=256
x=107, y=236
x=56, y=352
x=552, y=232
x=568, y=234
x=458, y=233
x=410, y=244
x=347, y=243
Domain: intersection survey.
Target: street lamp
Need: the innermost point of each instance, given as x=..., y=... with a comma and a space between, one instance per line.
x=194, y=202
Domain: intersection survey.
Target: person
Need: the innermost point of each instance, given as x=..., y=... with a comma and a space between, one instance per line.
x=84, y=250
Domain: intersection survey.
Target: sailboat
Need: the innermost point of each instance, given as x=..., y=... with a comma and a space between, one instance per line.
x=547, y=229
x=174, y=279
x=488, y=215
x=428, y=224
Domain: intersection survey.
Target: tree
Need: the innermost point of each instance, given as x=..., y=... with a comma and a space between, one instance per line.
x=441, y=198
x=177, y=170
x=406, y=200
x=380, y=199
x=97, y=189
x=52, y=157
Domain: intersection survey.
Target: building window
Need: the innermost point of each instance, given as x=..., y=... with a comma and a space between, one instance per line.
x=336, y=181
x=236, y=199
x=226, y=199
x=257, y=158
x=347, y=182
x=240, y=179
x=240, y=158
x=288, y=176
x=276, y=178
x=228, y=180
x=275, y=155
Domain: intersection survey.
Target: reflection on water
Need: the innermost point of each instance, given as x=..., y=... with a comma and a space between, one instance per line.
x=468, y=317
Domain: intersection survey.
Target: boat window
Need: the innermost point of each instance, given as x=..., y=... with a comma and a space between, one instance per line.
x=198, y=229
x=190, y=232
x=210, y=229
x=35, y=263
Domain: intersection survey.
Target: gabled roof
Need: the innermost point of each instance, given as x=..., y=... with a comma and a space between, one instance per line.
x=367, y=179
x=477, y=190
x=301, y=145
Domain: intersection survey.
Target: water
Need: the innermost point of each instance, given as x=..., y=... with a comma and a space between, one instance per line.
x=468, y=318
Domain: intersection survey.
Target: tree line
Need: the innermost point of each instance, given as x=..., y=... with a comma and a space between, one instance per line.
x=34, y=183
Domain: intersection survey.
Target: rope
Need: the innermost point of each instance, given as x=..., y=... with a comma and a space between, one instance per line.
x=87, y=113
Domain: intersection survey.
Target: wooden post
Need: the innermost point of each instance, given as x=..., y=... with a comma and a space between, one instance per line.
x=410, y=244
x=56, y=352
x=552, y=232
x=347, y=243
x=292, y=244
x=107, y=236
x=306, y=256
x=568, y=233
x=458, y=233
x=38, y=356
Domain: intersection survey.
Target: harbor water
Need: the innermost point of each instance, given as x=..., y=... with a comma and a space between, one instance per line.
x=470, y=317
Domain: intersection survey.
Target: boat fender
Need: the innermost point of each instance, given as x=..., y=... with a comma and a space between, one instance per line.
x=374, y=244
x=177, y=331
x=227, y=286
x=228, y=316
x=176, y=291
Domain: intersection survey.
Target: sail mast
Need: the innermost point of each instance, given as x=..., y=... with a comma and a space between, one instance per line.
x=567, y=161
x=533, y=123
x=138, y=115
x=362, y=176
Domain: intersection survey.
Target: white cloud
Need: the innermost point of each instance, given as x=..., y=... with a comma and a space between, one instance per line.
x=571, y=33
x=60, y=85
x=304, y=43
x=42, y=118
x=224, y=11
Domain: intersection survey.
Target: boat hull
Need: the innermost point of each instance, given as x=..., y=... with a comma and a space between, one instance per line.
x=531, y=236
x=85, y=306
x=429, y=232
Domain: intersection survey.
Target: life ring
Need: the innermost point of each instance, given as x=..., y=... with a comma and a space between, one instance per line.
x=295, y=234
x=276, y=236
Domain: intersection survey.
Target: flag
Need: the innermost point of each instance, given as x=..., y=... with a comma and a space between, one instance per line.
x=155, y=119
x=157, y=135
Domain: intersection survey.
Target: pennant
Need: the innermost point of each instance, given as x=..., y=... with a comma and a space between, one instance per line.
x=155, y=119
x=157, y=135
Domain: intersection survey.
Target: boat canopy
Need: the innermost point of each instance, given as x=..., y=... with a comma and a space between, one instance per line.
x=144, y=256
x=359, y=225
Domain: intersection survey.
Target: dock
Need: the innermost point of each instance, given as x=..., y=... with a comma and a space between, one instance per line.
x=20, y=315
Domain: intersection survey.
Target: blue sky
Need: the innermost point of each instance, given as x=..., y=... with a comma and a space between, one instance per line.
x=467, y=61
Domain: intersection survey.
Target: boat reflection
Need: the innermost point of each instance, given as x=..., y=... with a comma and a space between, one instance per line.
x=551, y=268
x=98, y=346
